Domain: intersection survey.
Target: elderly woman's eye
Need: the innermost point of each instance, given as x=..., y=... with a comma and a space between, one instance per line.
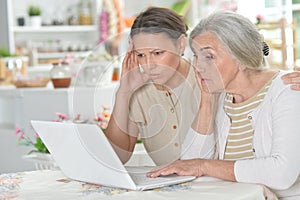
x=209, y=57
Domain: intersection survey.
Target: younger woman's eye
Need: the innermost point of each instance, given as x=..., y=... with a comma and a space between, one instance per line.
x=157, y=53
x=140, y=55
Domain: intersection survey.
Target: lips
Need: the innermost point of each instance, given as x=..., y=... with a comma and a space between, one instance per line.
x=205, y=81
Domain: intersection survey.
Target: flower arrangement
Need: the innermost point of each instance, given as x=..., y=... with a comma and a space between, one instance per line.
x=38, y=143
x=259, y=19
x=102, y=118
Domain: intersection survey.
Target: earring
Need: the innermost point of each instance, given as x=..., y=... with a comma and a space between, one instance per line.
x=182, y=54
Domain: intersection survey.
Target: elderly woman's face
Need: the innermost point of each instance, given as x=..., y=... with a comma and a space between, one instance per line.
x=157, y=54
x=214, y=65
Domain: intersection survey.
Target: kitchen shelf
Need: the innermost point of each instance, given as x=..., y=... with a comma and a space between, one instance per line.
x=52, y=55
x=47, y=29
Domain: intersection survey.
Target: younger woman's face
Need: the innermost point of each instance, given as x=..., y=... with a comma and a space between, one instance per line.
x=158, y=55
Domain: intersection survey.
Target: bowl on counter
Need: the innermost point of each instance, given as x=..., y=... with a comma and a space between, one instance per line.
x=37, y=82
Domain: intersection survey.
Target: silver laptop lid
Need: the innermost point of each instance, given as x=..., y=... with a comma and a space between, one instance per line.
x=96, y=162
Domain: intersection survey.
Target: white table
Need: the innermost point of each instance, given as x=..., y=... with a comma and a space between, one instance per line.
x=52, y=184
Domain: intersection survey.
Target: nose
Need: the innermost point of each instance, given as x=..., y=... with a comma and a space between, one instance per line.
x=198, y=66
x=148, y=59
x=149, y=62
x=199, y=69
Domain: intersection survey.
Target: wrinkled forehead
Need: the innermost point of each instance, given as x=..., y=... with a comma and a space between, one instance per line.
x=204, y=40
x=207, y=41
x=143, y=41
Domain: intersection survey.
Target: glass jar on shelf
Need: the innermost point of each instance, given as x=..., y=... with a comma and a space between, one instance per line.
x=61, y=75
x=85, y=17
x=72, y=16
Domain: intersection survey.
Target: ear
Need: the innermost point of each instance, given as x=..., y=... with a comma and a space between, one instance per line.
x=242, y=67
x=181, y=42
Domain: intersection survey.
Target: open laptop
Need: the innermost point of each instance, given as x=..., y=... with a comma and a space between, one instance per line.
x=83, y=153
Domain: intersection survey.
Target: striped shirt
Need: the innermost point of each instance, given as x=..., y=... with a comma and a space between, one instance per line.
x=240, y=137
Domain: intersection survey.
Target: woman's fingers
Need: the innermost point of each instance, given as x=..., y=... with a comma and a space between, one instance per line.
x=129, y=62
x=180, y=167
x=125, y=64
x=297, y=69
x=162, y=171
x=291, y=80
x=292, y=77
x=132, y=61
x=198, y=77
x=295, y=87
x=201, y=83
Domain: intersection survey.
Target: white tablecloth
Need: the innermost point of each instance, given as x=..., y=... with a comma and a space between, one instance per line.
x=52, y=184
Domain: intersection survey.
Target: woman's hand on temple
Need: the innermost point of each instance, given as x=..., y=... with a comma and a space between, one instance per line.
x=132, y=77
x=293, y=78
x=180, y=167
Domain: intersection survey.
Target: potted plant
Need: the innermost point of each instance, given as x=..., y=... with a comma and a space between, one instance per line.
x=34, y=13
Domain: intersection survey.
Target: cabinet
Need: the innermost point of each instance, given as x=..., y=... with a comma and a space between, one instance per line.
x=51, y=42
x=281, y=38
x=19, y=106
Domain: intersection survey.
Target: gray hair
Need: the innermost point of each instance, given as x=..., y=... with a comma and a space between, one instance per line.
x=238, y=34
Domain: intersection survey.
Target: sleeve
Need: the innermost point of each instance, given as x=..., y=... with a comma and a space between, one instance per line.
x=281, y=169
x=197, y=145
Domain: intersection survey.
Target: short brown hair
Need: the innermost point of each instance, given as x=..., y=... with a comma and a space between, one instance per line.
x=159, y=20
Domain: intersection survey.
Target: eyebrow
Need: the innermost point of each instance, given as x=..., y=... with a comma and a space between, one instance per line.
x=204, y=48
x=135, y=51
x=201, y=49
x=151, y=50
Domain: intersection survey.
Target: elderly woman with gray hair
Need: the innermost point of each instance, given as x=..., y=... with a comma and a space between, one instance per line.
x=247, y=126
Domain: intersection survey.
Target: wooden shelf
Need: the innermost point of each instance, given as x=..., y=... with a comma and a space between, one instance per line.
x=274, y=43
x=268, y=26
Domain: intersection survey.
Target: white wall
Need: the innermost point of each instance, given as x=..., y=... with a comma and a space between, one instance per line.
x=251, y=8
x=4, y=24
